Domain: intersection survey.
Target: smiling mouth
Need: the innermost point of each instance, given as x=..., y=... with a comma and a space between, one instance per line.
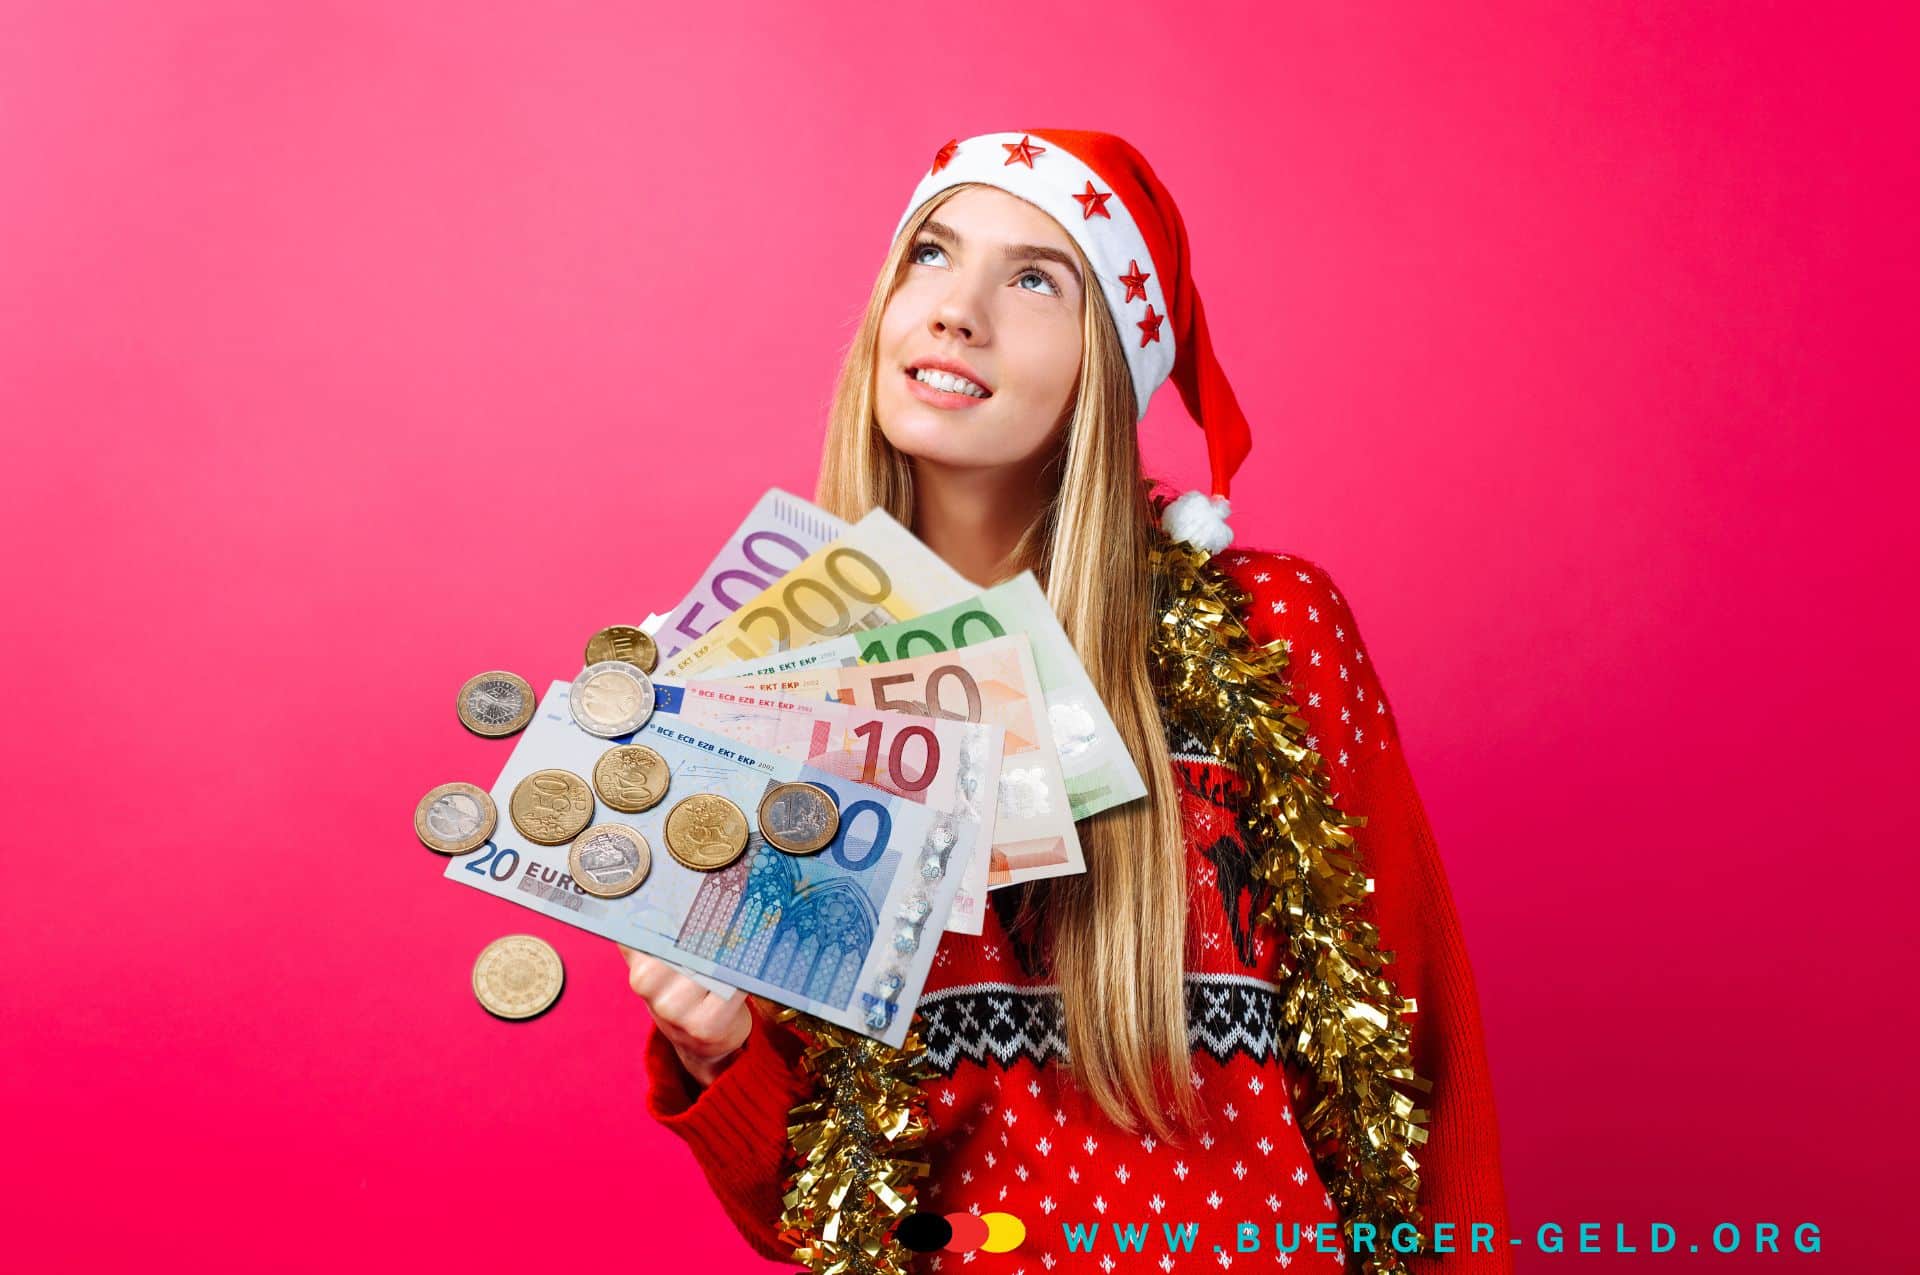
x=913, y=375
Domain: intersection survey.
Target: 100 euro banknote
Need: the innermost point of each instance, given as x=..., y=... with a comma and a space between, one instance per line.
x=779, y=533
x=846, y=934
x=948, y=765
x=994, y=681
x=875, y=573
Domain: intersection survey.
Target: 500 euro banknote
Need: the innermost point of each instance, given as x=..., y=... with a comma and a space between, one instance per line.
x=779, y=533
x=939, y=762
x=846, y=934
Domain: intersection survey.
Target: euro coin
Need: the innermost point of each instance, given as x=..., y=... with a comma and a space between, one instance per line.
x=611, y=698
x=454, y=818
x=624, y=642
x=609, y=860
x=550, y=807
x=517, y=976
x=706, y=832
x=631, y=777
x=798, y=818
x=495, y=704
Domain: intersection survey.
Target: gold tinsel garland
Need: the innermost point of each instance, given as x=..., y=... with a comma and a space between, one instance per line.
x=1345, y=1021
x=852, y=1140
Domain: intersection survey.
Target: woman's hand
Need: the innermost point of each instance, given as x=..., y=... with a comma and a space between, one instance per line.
x=704, y=1029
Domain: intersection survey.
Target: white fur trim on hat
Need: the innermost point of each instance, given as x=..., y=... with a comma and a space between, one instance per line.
x=1199, y=520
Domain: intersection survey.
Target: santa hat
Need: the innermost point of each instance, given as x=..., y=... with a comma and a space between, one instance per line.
x=1099, y=188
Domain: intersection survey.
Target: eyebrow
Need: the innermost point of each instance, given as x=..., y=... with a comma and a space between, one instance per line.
x=1014, y=251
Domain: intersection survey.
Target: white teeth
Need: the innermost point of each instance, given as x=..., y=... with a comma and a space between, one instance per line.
x=948, y=381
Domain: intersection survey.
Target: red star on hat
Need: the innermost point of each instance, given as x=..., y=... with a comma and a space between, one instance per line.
x=1092, y=202
x=1023, y=151
x=1135, y=281
x=1150, y=326
x=945, y=153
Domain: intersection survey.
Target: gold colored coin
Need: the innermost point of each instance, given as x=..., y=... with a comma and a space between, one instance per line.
x=706, y=832
x=631, y=778
x=550, y=807
x=624, y=642
x=798, y=818
x=496, y=703
x=609, y=860
x=455, y=818
x=517, y=976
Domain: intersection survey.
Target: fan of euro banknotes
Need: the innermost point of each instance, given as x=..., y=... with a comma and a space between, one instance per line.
x=793, y=782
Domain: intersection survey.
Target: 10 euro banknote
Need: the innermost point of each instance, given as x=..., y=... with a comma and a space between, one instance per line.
x=937, y=761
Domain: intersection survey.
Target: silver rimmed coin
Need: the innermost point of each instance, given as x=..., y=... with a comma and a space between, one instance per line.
x=550, y=807
x=609, y=860
x=455, y=818
x=706, y=832
x=517, y=976
x=611, y=698
x=495, y=703
x=798, y=818
x=624, y=642
x=631, y=777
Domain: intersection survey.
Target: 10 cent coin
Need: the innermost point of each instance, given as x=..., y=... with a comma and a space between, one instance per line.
x=550, y=807
x=624, y=642
x=517, y=976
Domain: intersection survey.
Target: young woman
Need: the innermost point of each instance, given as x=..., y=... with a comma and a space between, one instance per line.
x=1115, y=1047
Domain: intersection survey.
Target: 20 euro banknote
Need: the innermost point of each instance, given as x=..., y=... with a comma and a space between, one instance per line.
x=846, y=934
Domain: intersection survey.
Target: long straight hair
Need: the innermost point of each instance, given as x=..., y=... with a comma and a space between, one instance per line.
x=1116, y=935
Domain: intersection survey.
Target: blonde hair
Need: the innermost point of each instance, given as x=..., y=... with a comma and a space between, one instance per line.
x=1118, y=932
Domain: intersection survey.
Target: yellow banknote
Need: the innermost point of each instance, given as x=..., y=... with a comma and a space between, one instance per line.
x=875, y=574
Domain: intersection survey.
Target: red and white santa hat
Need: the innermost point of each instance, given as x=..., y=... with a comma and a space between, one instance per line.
x=1100, y=189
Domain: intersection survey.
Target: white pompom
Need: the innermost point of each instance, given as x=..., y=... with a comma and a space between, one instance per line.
x=1199, y=520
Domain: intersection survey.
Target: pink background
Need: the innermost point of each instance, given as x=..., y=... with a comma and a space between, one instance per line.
x=347, y=350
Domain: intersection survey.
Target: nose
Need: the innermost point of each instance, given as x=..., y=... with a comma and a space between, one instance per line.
x=960, y=312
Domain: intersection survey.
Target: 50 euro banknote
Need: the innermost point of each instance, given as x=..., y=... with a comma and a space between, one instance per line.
x=1034, y=837
x=779, y=533
x=847, y=933
x=1100, y=772
x=876, y=573
x=939, y=762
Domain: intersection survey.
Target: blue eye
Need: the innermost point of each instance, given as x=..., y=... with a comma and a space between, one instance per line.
x=1036, y=270
x=913, y=256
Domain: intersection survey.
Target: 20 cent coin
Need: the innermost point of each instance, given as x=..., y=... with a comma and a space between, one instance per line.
x=631, y=777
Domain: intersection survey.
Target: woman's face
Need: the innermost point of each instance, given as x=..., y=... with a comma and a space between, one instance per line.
x=991, y=286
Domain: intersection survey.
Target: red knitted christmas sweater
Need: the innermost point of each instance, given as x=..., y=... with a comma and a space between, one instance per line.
x=1008, y=1132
